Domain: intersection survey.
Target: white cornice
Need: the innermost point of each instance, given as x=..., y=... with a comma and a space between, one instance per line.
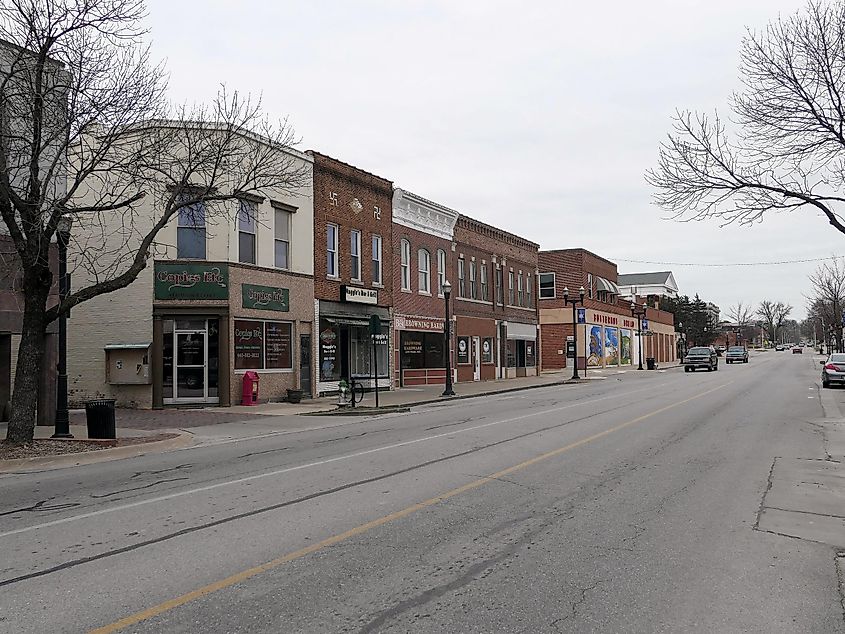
x=416, y=212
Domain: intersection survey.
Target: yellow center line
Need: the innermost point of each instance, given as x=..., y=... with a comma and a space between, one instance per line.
x=176, y=602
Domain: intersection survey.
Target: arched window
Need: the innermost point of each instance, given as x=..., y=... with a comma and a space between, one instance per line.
x=425, y=271
x=405, y=253
x=441, y=270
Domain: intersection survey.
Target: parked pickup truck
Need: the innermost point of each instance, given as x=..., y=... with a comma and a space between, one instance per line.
x=701, y=357
x=736, y=354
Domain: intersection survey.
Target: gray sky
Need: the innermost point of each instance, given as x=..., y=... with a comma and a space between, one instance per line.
x=537, y=117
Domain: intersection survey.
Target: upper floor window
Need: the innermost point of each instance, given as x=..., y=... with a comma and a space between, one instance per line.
x=331, y=251
x=246, y=231
x=424, y=261
x=590, y=285
x=355, y=254
x=462, y=285
x=511, y=297
x=547, y=285
x=441, y=270
x=405, y=256
x=484, y=282
x=376, y=259
x=520, y=297
x=472, y=287
x=190, y=232
x=500, y=286
x=281, y=231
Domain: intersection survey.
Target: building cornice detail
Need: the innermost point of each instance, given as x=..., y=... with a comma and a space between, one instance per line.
x=421, y=214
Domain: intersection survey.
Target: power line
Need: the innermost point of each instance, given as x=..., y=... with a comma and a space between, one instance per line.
x=725, y=264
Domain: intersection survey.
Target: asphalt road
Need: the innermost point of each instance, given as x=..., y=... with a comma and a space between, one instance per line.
x=622, y=505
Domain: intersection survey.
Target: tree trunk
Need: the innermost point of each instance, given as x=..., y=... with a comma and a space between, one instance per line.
x=30, y=356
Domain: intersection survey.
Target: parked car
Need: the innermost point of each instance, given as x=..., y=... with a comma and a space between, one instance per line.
x=737, y=354
x=798, y=350
x=701, y=357
x=779, y=348
x=833, y=370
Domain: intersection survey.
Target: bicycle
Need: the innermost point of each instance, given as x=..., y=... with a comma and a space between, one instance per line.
x=356, y=391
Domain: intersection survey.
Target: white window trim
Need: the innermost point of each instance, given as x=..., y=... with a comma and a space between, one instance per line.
x=405, y=265
x=426, y=255
x=540, y=286
x=353, y=233
x=441, y=271
x=336, y=258
x=380, y=283
x=275, y=239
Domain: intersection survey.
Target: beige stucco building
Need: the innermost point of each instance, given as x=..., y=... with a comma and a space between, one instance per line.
x=228, y=288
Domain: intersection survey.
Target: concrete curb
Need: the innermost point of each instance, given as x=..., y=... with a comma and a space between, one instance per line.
x=49, y=463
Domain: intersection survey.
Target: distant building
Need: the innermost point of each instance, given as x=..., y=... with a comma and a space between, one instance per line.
x=713, y=315
x=661, y=283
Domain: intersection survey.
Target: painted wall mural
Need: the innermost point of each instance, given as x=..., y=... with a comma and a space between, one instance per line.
x=611, y=346
x=595, y=357
x=625, y=347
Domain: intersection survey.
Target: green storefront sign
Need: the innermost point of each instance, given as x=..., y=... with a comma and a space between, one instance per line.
x=191, y=281
x=265, y=297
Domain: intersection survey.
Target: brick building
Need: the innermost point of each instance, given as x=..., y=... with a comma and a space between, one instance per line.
x=494, y=302
x=606, y=329
x=353, y=278
x=422, y=247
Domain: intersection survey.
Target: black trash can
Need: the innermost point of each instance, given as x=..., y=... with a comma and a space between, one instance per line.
x=99, y=415
x=650, y=363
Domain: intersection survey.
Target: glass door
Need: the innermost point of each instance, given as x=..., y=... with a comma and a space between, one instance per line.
x=191, y=353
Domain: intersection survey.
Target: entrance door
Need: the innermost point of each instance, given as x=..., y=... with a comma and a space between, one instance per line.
x=476, y=359
x=190, y=361
x=305, y=364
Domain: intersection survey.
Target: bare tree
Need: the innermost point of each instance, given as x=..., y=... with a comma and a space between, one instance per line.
x=828, y=295
x=773, y=316
x=740, y=314
x=86, y=134
x=788, y=149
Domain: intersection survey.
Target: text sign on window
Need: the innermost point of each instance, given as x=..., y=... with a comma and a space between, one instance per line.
x=463, y=349
x=278, y=345
x=249, y=345
x=265, y=297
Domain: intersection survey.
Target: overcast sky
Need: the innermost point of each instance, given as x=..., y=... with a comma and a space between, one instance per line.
x=537, y=117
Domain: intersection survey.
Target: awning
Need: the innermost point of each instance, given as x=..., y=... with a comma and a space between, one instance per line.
x=527, y=332
x=606, y=285
x=348, y=321
x=128, y=346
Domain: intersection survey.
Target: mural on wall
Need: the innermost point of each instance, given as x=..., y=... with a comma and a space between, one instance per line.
x=611, y=346
x=625, y=347
x=594, y=359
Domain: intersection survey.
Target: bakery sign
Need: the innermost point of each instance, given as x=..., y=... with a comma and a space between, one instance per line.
x=426, y=324
x=358, y=295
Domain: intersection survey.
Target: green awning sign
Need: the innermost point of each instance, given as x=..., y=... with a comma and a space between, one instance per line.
x=206, y=280
x=265, y=297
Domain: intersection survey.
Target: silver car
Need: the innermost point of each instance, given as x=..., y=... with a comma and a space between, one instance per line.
x=833, y=370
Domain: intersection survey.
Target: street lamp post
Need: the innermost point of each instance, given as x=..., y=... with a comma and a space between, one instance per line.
x=447, y=335
x=575, y=301
x=639, y=312
x=62, y=424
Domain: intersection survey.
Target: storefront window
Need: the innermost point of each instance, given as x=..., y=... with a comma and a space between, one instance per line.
x=421, y=350
x=261, y=345
x=361, y=352
x=213, y=356
x=329, y=351
x=487, y=350
x=511, y=353
x=530, y=354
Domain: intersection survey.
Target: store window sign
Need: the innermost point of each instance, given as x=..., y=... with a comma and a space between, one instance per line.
x=191, y=281
x=582, y=315
x=265, y=297
x=463, y=349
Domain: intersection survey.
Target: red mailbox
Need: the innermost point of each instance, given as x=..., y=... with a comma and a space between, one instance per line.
x=249, y=395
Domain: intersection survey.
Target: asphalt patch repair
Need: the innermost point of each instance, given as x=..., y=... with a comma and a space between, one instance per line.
x=44, y=447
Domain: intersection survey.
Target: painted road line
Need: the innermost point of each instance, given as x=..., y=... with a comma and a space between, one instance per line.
x=309, y=465
x=176, y=602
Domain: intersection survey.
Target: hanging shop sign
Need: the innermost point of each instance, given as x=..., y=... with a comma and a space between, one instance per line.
x=358, y=295
x=191, y=281
x=265, y=297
